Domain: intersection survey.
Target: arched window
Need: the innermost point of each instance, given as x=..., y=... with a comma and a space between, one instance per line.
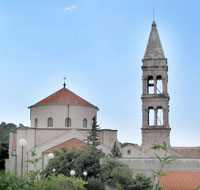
x=36, y=122
x=150, y=85
x=50, y=122
x=151, y=116
x=68, y=122
x=85, y=123
x=159, y=116
x=159, y=85
x=129, y=152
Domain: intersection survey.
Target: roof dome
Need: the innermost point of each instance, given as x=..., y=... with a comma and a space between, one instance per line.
x=64, y=96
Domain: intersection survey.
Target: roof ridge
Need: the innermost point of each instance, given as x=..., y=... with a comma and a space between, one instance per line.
x=64, y=96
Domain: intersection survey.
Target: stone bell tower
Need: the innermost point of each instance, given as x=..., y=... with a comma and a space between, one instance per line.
x=155, y=97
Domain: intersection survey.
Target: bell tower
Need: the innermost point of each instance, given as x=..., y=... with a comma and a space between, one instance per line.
x=155, y=97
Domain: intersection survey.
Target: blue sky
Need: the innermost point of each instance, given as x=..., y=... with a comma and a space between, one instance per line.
x=98, y=46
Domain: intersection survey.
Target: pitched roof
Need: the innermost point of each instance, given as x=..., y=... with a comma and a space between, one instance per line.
x=73, y=143
x=180, y=180
x=154, y=48
x=64, y=96
x=187, y=152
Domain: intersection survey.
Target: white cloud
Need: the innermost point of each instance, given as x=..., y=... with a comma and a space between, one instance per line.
x=70, y=8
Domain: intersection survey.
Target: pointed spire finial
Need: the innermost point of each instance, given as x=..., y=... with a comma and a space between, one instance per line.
x=64, y=82
x=153, y=13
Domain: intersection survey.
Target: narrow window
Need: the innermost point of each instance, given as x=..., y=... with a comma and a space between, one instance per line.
x=150, y=85
x=159, y=85
x=151, y=116
x=159, y=116
x=36, y=122
x=129, y=152
x=85, y=123
x=68, y=122
x=50, y=122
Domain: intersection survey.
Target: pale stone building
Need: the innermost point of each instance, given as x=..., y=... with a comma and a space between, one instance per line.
x=63, y=119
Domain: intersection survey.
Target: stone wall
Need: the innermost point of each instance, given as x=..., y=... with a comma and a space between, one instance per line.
x=147, y=166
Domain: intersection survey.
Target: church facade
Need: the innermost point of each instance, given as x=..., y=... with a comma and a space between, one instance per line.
x=63, y=119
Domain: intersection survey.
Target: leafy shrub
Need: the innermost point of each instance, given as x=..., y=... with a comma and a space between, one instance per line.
x=140, y=182
x=70, y=183
x=87, y=159
x=95, y=184
x=13, y=182
x=115, y=172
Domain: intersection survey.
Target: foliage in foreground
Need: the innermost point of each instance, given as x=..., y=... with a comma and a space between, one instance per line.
x=60, y=182
x=95, y=184
x=12, y=182
x=118, y=175
x=163, y=161
x=34, y=175
x=87, y=159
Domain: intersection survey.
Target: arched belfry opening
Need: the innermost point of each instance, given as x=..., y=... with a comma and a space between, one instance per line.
x=151, y=115
x=159, y=116
x=150, y=85
x=155, y=98
x=159, y=85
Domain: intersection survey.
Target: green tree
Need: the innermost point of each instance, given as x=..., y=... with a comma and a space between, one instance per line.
x=87, y=159
x=95, y=184
x=140, y=182
x=5, y=130
x=115, y=152
x=93, y=137
x=163, y=161
x=63, y=162
x=115, y=172
x=118, y=175
x=3, y=154
x=34, y=175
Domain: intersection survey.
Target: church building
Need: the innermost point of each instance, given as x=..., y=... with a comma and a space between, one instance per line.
x=64, y=119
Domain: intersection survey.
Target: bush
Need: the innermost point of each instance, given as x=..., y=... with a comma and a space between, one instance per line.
x=115, y=172
x=9, y=181
x=95, y=184
x=87, y=159
x=140, y=182
x=60, y=182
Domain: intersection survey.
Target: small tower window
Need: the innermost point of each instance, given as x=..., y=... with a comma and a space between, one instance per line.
x=150, y=116
x=159, y=85
x=50, y=122
x=68, y=122
x=36, y=122
x=129, y=152
x=85, y=123
x=159, y=116
x=150, y=85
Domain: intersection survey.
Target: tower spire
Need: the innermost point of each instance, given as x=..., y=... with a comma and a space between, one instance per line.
x=154, y=48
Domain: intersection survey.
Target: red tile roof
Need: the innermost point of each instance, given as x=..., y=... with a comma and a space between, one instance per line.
x=73, y=143
x=180, y=181
x=14, y=141
x=64, y=96
x=188, y=152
